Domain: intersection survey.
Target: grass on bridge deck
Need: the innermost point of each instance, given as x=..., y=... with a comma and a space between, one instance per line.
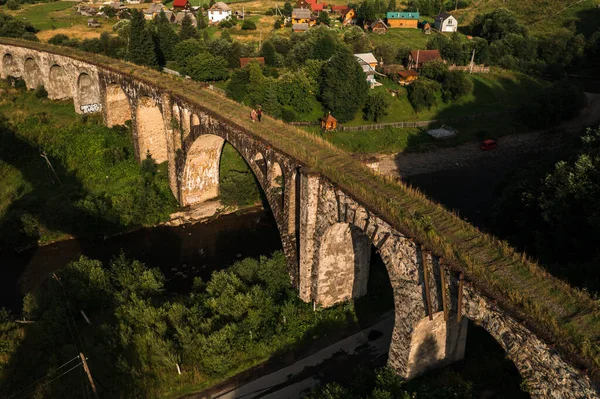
x=562, y=315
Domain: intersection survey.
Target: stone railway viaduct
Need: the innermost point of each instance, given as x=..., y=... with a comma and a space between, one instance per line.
x=325, y=231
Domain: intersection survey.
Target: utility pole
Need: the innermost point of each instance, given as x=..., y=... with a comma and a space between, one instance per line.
x=89, y=375
x=472, y=60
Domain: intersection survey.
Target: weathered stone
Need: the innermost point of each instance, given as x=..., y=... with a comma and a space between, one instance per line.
x=326, y=234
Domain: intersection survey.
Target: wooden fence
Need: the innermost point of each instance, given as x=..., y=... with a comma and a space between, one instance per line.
x=381, y=126
x=311, y=123
x=467, y=68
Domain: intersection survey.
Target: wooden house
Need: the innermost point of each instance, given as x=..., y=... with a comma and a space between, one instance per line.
x=179, y=5
x=93, y=23
x=181, y=15
x=402, y=19
x=300, y=27
x=408, y=76
x=379, y=27
x=348, y=16
x=302, y=16
x=328, y=122
x=152, y=12
x=445, y=22
x=417, y=58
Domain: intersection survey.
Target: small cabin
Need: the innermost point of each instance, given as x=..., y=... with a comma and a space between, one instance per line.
x=379, y=27
x=93, y=23
x=328, y=122
x=406, y=77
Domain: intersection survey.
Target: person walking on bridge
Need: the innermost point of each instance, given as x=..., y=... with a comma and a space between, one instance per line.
x=253, y=115
x=259, y=112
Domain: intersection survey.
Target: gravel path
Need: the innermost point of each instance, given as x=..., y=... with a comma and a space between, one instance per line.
x=509, y=148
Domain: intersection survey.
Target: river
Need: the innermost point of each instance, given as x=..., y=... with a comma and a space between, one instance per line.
x=181, y=253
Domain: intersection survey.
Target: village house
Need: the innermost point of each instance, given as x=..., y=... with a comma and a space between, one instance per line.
x=445, y=22
x=246, y=61
x=218, y=12
x=179, y=5
x=181, y=15
x=328, y=122
x=87, y=11
x=368, y=62
x=417, y=58
x=300, y=27
x=402, y=19
x=152, y=12
x=347, y=14
x=379, y=27
x=427, y=28
x=407, y=77
x=93, y=23
x=302, y=16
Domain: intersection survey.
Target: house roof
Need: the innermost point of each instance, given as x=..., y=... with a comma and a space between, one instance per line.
x=181, y=15
x=302, y=27
x=443, y=16
x=339, y=8
x=154, y=8
x=245, y=61
x=374, y=24
x=301, y=13
x=328, y=118
x=425, y=55
x=407, y=73
x=402, y=15
x=180, y=3
x=317, y=6
x=368, y=58
x=220, y=6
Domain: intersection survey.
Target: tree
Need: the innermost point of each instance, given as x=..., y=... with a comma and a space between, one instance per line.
x=270, y=105
x=201, y=20
x=496, y=25
x=237, y=86
x=166, y=37
x=376, y=107
x=256, y=84
x=392, y=6
x=344, y=87
x=141, y=48
x=324, y=18
x=421, y=94
x=456, y=84
x=278, y=24
x=269, y=53
x=325, y=45
x=287, y=9
x=434, y=70
x=188, y=31
x=187, y=49
x=206, y=67
x=561, y=101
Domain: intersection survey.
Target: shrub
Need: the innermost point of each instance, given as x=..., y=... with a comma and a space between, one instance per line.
x=376, y=107
x=269, y=12
x=422, y=94
x=289, y=115
x=434, y=70
x=12, y=5
x=58, y=40
x=40, y=92
x=561, y=101
x=248, y=25
x=456, y=84
x=227, y=23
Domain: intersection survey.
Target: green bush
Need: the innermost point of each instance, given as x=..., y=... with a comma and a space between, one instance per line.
x=248, y=25
x=422, y=94
x=40, y=92
x=58, y=40
x=12, y=5
x=456, y=84
x=376, y=107
x=289, y=115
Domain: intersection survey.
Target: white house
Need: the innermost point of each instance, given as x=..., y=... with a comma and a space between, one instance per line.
x=218, y=12
x=368, y=62
x=445, y=22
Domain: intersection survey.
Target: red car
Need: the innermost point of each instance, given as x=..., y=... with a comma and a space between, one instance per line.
x=488, y=145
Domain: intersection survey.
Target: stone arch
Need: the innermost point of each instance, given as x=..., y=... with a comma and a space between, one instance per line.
x=343, y=265
x=32, y=74
x=150, y=129
x=87, y=95
x=59, y=86
x=118, y=109
x=261, y=163
x=201, y=173
x=277, y=182
x=9, y=67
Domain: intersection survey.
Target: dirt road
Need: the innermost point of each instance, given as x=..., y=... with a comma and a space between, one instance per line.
x=510, y=148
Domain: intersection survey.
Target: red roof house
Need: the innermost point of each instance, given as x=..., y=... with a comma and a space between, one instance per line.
x=417, y=58
x=181, y=4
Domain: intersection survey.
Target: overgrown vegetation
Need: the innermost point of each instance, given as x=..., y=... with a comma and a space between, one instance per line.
x=140, y=336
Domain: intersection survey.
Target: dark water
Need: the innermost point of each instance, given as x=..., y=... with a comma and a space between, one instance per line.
x=180, y=252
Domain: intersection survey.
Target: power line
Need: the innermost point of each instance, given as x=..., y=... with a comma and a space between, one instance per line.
x=43, y=378
x=54, y=379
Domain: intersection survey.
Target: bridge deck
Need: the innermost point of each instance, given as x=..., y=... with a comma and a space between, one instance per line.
x=557, y=312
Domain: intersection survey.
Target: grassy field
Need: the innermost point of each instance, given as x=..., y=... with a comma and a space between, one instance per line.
x=540, y=17
x=556, y=312
x=500, y=90
x=413, y=38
